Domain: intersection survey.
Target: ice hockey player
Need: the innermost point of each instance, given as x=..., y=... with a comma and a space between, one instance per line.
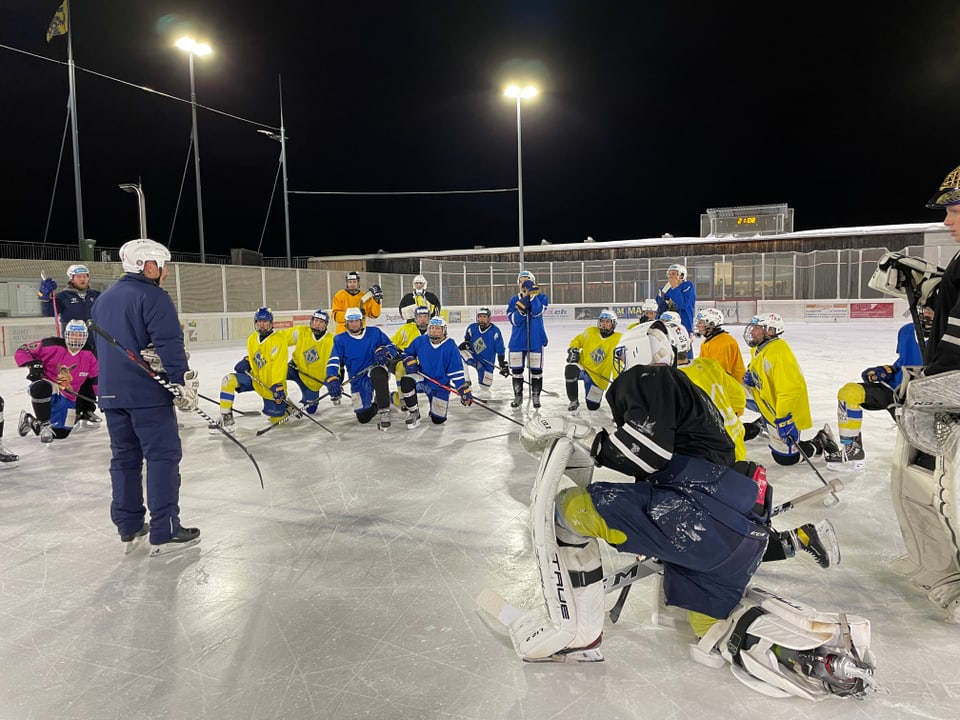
x=718, y=344
x=369, y=304
x=74, y=302
x=728, y=396
x=138, y=313
x=483, y=350
x=648, y=310
x=262, y=370
x=706, y=572
x=590, y=359
x=434, y=356
x=779, y=391
x=418, y=298
x=5, y=455
x=876, y=392
x=943, y=346
x=410, y=331
x=528, y=337
x=679, y=295
x=308, y=364
x=59, y=369
x=365, y=352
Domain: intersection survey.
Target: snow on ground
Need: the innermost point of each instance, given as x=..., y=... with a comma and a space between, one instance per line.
x=346, y=587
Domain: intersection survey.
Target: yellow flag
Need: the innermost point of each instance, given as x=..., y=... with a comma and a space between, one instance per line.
x=58, y=26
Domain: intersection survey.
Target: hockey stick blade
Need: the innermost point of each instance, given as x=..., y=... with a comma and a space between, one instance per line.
x=832, y=487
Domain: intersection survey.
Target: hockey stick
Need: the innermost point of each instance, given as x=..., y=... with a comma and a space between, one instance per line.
x=53, y=301
x=474, y=402
x=241, y=413
x=527, y=382
x=288, y=417
x=830, y=488
x=172, y=389
x=826, y=501
x=292, y=406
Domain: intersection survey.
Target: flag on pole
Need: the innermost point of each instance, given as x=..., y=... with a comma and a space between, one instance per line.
x=58, y=26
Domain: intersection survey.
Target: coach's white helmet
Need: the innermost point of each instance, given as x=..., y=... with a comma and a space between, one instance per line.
x=136, y=253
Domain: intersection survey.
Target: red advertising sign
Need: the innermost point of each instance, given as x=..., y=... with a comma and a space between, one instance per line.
x=871, y=310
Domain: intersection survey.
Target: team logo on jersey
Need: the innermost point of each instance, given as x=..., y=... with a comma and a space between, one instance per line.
x=598, y=356
x=311, y=355
x=65, y=376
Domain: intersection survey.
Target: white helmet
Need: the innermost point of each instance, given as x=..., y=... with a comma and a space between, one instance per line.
x=681, y=269
x=679, y=337
x=75, y=335
x=419, y=279
x=437, y=322
x=770, y=322
x=645, y=344
x=649, y=305
x=671, y=317
x=136, y=253
x=607, y=315
x=77, y=270
x=526, y=275
x=711, y=316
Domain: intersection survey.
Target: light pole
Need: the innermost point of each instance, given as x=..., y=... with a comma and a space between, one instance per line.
x=192, y=47
x=281, y=137
x=518, y=93
x=141, y=203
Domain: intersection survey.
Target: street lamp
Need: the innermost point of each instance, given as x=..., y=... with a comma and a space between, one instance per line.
x=192, y=47
x=141, y=202
x=518, y=93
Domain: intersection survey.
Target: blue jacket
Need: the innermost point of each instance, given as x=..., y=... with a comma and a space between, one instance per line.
x=537, y=339
x=684, y=299
x=71, y=305
x=137, y=312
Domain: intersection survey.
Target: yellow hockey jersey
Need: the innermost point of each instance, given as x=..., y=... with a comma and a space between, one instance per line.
x=310, y=355
x=780, y=389
x=596, y=354
x=725, y=392
x=268, y=360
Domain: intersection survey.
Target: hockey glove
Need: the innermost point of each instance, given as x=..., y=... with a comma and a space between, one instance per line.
x=879, y=374
x=334, y=387
x=279, y=391
x=383, y=355
x=787, y=430
x=671, y=306
x=411, y=366
x=466, y=394
x=522, y=306
x=46, y=289
x=149, y=354
x=34, y=370
x=187, y=399
x=573, y=356
x=504, y=368
x=243, y=366
x=377, y=292
x=530, y=288
x=750, y=379
x=465, y=345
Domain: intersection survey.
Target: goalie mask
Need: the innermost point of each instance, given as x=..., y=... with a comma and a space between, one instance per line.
x=949, y=192
x=75, y=336
x=419, y=285
x=646, y=344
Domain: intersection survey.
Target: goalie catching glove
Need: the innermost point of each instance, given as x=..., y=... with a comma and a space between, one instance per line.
x=186, y=398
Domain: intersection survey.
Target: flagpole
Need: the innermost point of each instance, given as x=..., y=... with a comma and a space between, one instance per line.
x=73, y=122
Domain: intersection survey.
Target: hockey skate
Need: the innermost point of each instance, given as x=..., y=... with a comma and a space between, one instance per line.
x=820, y=541
x=397, y=401
x=226, y=423
x=413, y=419
x=185, y=537
x=754, y=429
x=849, y=455
x=46, y=433
x=27, y=424
x=384, y=422
x=133, y=541
x=6, y=455
x=574, y=407
x=825, y=443
x=89, y=419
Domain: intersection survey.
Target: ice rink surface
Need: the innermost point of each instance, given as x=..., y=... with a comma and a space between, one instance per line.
x=345, y=588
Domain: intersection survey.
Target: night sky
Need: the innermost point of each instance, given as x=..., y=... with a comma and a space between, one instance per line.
x=649, y=113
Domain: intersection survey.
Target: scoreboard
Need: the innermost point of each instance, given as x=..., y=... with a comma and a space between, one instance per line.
x=746, y=221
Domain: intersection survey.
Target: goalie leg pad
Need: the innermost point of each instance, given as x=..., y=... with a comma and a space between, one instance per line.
x=570, y=574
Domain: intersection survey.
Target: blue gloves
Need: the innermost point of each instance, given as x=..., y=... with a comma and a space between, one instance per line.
x=787, y=430
x=411, y=366
x=383, y=355
x=529, y=287
x=334, y=387
x=243, y=366
x=466, y=394
x=750, y=379
x=573, y=355
x=523, y=305
x=279, y=393
x=46, y=289
x=879, y=374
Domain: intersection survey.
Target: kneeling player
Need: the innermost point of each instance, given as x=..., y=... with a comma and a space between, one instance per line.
x=365, y=352
x=590, y=359
x=308, y=366
x=483, y=350
x=430, y=362
x=59, y=370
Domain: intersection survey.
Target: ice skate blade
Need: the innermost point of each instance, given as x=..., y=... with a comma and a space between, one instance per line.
x=172, y=547
x=132, y=545
x=575, y=656
x=848, y=466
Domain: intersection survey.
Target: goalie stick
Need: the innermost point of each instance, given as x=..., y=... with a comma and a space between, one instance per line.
x=172, y=389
